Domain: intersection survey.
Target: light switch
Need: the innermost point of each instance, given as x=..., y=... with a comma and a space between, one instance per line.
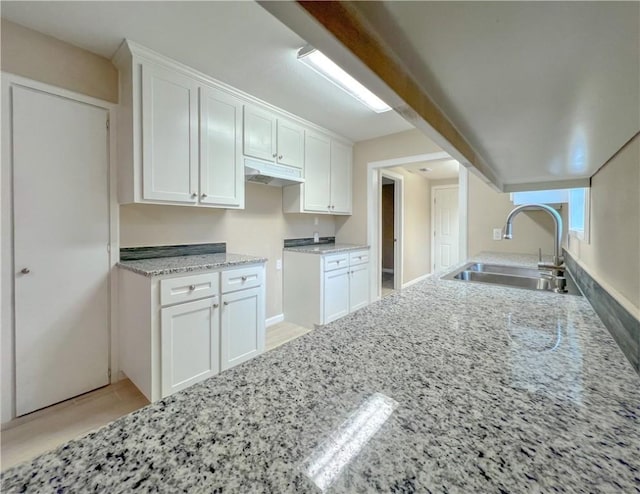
x=278, y=264
x=315, y=221
x=497, y=234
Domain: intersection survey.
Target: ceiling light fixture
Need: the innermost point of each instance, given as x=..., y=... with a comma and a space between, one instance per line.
x=319, y=62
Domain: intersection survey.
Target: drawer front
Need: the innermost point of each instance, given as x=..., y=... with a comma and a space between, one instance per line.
x=238, y=279
x=358, y=257
x=336, y=261
x=188, y=288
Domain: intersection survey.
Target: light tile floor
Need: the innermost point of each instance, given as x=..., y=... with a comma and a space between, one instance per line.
x=28, y=436
x=387, y=284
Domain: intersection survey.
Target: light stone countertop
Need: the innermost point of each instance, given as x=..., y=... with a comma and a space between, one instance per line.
x=326, y=248
x=446, y=386
x=183, y=264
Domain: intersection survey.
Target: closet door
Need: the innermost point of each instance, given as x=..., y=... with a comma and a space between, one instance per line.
x=61, y=233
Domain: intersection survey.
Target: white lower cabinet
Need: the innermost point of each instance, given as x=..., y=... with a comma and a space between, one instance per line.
x=178, y=330
x=190, y=343
x=242, y=335
x=319, y=289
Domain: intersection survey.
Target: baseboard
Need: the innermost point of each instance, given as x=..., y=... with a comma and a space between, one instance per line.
x=387, y=270
x=621, y=323
x=415, y=280
x=270, y=321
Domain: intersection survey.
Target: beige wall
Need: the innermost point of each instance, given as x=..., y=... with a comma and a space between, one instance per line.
x=353, y=229
x=612, y=256
x=488, y=209
x=258, y=230
x=42, y=58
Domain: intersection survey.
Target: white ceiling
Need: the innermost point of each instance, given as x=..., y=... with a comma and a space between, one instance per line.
x=436, y=169
x=544, y=91
x=238, y=43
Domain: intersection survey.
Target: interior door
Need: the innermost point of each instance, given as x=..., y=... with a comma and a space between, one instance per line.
x=317, y=172
x=61, y=234
x=446, y=231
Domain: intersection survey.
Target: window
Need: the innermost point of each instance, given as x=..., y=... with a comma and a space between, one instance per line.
x=579, y=213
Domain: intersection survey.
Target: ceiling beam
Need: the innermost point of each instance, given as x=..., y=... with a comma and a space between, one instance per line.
x=350, y=27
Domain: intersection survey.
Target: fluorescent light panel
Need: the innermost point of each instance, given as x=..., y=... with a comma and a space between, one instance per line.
x=319, y=62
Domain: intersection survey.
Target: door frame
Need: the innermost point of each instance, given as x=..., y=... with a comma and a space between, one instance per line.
x=373, y=209
x=398, y=225
x=433, y=221
x=7, y=336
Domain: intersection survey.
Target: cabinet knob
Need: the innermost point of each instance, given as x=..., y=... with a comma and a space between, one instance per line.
x=25, y=270
x=244, y=278
x=280, y=157
x=203, y=195
x=225, y=303
x=194, y=195
x=333, y=207
x=329, y=206
x=274, y=155
x=215, y=306
x=192, y=287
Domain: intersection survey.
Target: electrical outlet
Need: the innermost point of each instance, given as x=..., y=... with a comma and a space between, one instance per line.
x=316, y=237
x=278, y=264
x=316, y=221
x=497, y=234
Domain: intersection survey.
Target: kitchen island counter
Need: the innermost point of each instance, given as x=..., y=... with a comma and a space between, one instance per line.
x=446, y=386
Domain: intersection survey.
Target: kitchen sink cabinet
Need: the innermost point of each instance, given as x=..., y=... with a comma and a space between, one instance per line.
x=328, y=178
x=177, y=330
x=319, y=289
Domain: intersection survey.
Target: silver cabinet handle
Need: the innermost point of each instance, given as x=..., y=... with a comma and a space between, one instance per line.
x=274, y=155
x=333, y=207
x=225, y=303
x=280, y=157
x=25, y=270
x=329, y=206
x=244, y=278
x=203, y=195
x=192, y=287
x=194, y=195
x=215, y=306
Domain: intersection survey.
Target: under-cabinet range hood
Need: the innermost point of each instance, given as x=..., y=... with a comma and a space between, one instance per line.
x=262, y=172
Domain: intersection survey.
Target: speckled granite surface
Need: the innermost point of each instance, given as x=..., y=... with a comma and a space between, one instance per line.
x=182, y=264
x=326, y=248
x=490, y=389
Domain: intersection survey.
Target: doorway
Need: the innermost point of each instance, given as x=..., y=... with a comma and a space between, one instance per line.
x=445, y=236
x=388, y=238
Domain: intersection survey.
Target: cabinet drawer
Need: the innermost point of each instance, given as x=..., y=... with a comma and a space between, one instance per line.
x=187, y=288
x=336, y=261
x=237, y=279
x=358, y=257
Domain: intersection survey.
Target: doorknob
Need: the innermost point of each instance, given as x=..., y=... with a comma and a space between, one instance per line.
x=25, y=270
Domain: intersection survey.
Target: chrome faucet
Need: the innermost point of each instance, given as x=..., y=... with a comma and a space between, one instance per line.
x=554, y=271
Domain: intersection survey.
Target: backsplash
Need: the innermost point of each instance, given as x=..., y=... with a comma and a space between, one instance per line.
x=154, y=252
x=297, y=242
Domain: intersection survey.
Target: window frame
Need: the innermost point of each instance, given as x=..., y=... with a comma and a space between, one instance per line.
x=581, y=234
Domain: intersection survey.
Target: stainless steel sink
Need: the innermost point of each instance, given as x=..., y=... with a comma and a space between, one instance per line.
x=512, y=276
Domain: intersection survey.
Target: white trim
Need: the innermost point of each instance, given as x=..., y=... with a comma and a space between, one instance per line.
x=407, y=160
x=398, y=228
x=9, y=80
x=574, y=183
x=433, y=223
x=416, y=280
x=270, y=321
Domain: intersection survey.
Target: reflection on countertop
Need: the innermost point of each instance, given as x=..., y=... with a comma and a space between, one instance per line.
x=493, y=389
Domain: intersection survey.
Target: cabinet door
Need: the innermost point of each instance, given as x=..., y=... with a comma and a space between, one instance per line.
x=221, y=171
x=190, y=335
x=259, y=133
x=317, y=172
x=341, y=156
x=290, y=144
x=336, y=295
x=359, y=287
x=242, y=332
x=169, y=135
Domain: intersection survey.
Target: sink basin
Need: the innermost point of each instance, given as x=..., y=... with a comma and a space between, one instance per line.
x=512, y=276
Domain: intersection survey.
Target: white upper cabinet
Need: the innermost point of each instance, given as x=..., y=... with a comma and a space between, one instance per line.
x=290, y=147
x=271, y=138
x=169, y=135
x=340, y=177
x=317, y=172
x=259, y=133
x=221, y=171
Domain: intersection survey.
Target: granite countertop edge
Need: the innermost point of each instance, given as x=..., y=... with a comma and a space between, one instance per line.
x=186, y=264
x=321, y=249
